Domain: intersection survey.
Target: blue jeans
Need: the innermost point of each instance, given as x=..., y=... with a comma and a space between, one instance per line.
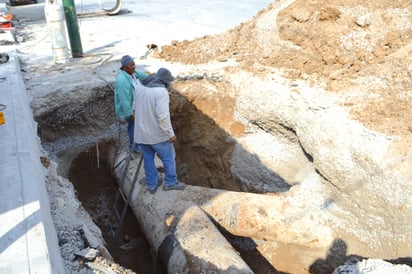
x=130, y=132
x=167, y=154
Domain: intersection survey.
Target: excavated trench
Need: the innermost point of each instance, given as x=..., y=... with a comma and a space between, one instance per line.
x=96, y=188
x=84, y=137
x=92, y=178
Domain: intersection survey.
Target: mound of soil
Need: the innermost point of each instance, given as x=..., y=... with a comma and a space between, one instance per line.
x=359, y=51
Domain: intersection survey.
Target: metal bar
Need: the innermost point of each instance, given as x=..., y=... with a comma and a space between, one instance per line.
x=129, y=195
x=73, y=28
x=119, y=190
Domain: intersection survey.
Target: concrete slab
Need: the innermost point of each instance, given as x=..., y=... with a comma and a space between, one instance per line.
x=28, y=240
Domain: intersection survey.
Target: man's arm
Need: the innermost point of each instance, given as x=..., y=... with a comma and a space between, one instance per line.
x=163, y=114
x=140, y=75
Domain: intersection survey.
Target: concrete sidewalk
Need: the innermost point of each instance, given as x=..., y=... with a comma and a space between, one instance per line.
x=28, y=240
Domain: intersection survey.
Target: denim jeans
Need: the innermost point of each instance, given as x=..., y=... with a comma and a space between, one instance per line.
x=167, y=154
x=130, y=132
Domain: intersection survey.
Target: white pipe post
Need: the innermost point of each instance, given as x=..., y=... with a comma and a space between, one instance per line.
x=54, y=18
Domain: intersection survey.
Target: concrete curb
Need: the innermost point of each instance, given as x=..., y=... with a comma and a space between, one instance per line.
x=28, y=239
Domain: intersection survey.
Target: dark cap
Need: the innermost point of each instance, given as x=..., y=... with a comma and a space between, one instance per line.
x=165, y=76
x=126, y=60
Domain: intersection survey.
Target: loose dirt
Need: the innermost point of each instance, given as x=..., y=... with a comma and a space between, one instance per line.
x=359, y=51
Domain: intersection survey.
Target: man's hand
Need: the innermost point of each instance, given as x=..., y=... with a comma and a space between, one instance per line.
x=172, y=139
x=130, y=118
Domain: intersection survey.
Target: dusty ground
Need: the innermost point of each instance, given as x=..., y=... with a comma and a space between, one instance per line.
x=359, y=52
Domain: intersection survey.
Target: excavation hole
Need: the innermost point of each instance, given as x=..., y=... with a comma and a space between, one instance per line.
x=208, y=154
x=96, y=188
x=91, y=176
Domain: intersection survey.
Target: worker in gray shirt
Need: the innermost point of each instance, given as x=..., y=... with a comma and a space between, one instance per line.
x=153, y=130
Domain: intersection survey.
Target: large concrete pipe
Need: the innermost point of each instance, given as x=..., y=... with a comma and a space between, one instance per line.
x=266, y=217
x=180, y=232
x=182, y=219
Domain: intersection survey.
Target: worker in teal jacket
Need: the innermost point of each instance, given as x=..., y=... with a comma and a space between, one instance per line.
x=124, y=90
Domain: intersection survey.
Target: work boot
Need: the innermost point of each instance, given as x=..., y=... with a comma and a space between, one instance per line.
x=177, y=186
x=159, y=183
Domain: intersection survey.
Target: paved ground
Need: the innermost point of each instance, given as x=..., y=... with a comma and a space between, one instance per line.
x=28, y=241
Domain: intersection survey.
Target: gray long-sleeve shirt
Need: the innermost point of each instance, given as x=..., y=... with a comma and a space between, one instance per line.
x=152, y=116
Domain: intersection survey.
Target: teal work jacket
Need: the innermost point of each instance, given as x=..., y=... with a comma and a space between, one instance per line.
x=124, y=93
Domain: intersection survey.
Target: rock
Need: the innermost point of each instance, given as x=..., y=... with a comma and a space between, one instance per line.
x=363, y=20
x=372, y=266
x=91, y=240
x=88, y=254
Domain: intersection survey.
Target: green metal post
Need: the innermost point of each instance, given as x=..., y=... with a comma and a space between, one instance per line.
x=73, y=28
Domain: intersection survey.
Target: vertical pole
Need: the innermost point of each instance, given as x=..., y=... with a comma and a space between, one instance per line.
x=54, y=18
x=73, y=28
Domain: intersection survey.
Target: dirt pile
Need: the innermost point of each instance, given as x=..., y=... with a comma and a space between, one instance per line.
x=356, y=54
x=359, y=51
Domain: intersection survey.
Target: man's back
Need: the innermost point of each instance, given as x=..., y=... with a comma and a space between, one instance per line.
x=153, y=124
